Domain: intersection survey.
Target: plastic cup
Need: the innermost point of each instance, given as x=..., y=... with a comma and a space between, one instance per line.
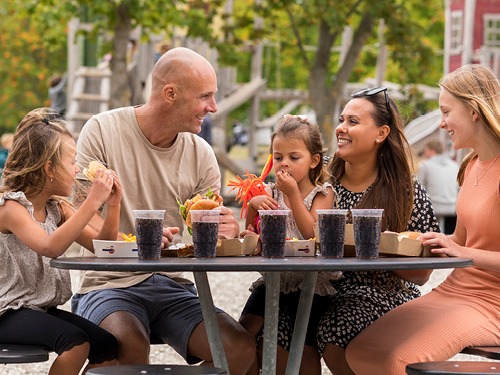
x=205, y=228
x=273, y=232
x=331, y=224
x=149, y=233
x=367, y=224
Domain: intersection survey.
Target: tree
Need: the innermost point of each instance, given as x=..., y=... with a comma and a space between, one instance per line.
x=410, y=25
x=114, y=20
x=26, y=64
x=413, y=33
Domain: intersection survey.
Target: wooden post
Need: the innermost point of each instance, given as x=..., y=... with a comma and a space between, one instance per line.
x=256, y=73
x=468, y=42
x=382, y=55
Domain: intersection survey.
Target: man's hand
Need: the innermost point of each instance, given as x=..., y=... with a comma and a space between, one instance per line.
x=228, y=225
x=168, y=236
x=252, y=232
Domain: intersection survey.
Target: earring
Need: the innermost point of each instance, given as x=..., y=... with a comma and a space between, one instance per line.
x=51, y=179
x=377, y=140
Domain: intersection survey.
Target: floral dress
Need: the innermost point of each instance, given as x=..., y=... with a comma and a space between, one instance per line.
x=363, y=296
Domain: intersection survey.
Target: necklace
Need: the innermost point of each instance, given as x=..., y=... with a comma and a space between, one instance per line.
x=486, y=170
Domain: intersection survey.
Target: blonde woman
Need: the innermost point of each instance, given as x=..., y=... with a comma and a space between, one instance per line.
x=465, y=309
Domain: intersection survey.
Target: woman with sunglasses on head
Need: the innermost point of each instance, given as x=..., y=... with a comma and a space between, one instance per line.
x=465, y=309
x=372, y=168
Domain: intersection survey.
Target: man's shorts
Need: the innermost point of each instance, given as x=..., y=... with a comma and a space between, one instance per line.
x=169, y=310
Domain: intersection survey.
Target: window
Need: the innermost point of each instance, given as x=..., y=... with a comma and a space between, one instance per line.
x=457, y=21
x=491, y=36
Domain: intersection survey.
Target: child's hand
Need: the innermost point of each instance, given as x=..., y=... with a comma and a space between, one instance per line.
x=101, y=187
x=263, y=202
x=117, y=192
x=249, y=231
x=286, y=183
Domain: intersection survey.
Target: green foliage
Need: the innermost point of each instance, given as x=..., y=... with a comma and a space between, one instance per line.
x=33, y=40
x=27, y=61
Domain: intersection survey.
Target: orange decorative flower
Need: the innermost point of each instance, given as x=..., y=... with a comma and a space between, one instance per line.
x=250, y=186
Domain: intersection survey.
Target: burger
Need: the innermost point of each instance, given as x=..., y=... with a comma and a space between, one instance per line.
x=411, y=235
x=92, y=169
x=209, y=201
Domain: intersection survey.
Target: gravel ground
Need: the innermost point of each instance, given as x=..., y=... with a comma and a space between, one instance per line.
x=229, y=291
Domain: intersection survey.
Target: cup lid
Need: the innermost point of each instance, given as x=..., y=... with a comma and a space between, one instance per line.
x=367, y=211
x=149, y=214
x=274, y=212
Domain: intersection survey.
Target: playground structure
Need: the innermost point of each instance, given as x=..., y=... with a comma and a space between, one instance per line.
x=471, y=35
x=89, y=90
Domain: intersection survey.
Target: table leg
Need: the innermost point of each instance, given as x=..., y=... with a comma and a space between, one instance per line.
x=301, y=322
x=212, y=327
x=271, y=323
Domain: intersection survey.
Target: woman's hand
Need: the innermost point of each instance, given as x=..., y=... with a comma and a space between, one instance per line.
x=442, y=244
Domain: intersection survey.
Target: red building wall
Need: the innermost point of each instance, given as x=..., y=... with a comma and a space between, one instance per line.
x=482, y=7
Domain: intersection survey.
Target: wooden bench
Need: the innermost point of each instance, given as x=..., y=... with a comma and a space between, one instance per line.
x=490, y=352
x=22, y=354
x=453, y=367
x=156, y=370
x=461, y=367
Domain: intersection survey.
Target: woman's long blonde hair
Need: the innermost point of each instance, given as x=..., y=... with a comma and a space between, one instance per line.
x=477, y=87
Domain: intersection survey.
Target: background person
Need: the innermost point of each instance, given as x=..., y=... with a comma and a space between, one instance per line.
x=464, y=310
x=371, y=169
x=36, y=225
x=206, y=129
x=5, y=146
x=438, y=173
x=156, y=150
x=57, y=94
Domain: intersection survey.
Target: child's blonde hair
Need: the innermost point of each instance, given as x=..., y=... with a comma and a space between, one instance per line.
x=37, y=140
x=298, y=127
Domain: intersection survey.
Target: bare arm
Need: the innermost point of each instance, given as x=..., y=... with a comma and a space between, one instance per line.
x=419, y=277
x=452, y=246
x=304, y=218
x=306, y=223
x=16, y=219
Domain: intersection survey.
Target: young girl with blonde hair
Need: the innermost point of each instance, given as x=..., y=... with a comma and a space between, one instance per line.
x=37, y=225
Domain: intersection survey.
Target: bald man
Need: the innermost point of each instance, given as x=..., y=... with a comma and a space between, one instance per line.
x=158, y=156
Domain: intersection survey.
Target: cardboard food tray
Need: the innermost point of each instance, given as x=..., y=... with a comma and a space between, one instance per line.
x=115, y=249
x=237, y=246
x=390, y=244
x=225, y=248
x=300, y=248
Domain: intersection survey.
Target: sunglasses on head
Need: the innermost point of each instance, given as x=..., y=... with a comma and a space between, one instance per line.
x=375, y=91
